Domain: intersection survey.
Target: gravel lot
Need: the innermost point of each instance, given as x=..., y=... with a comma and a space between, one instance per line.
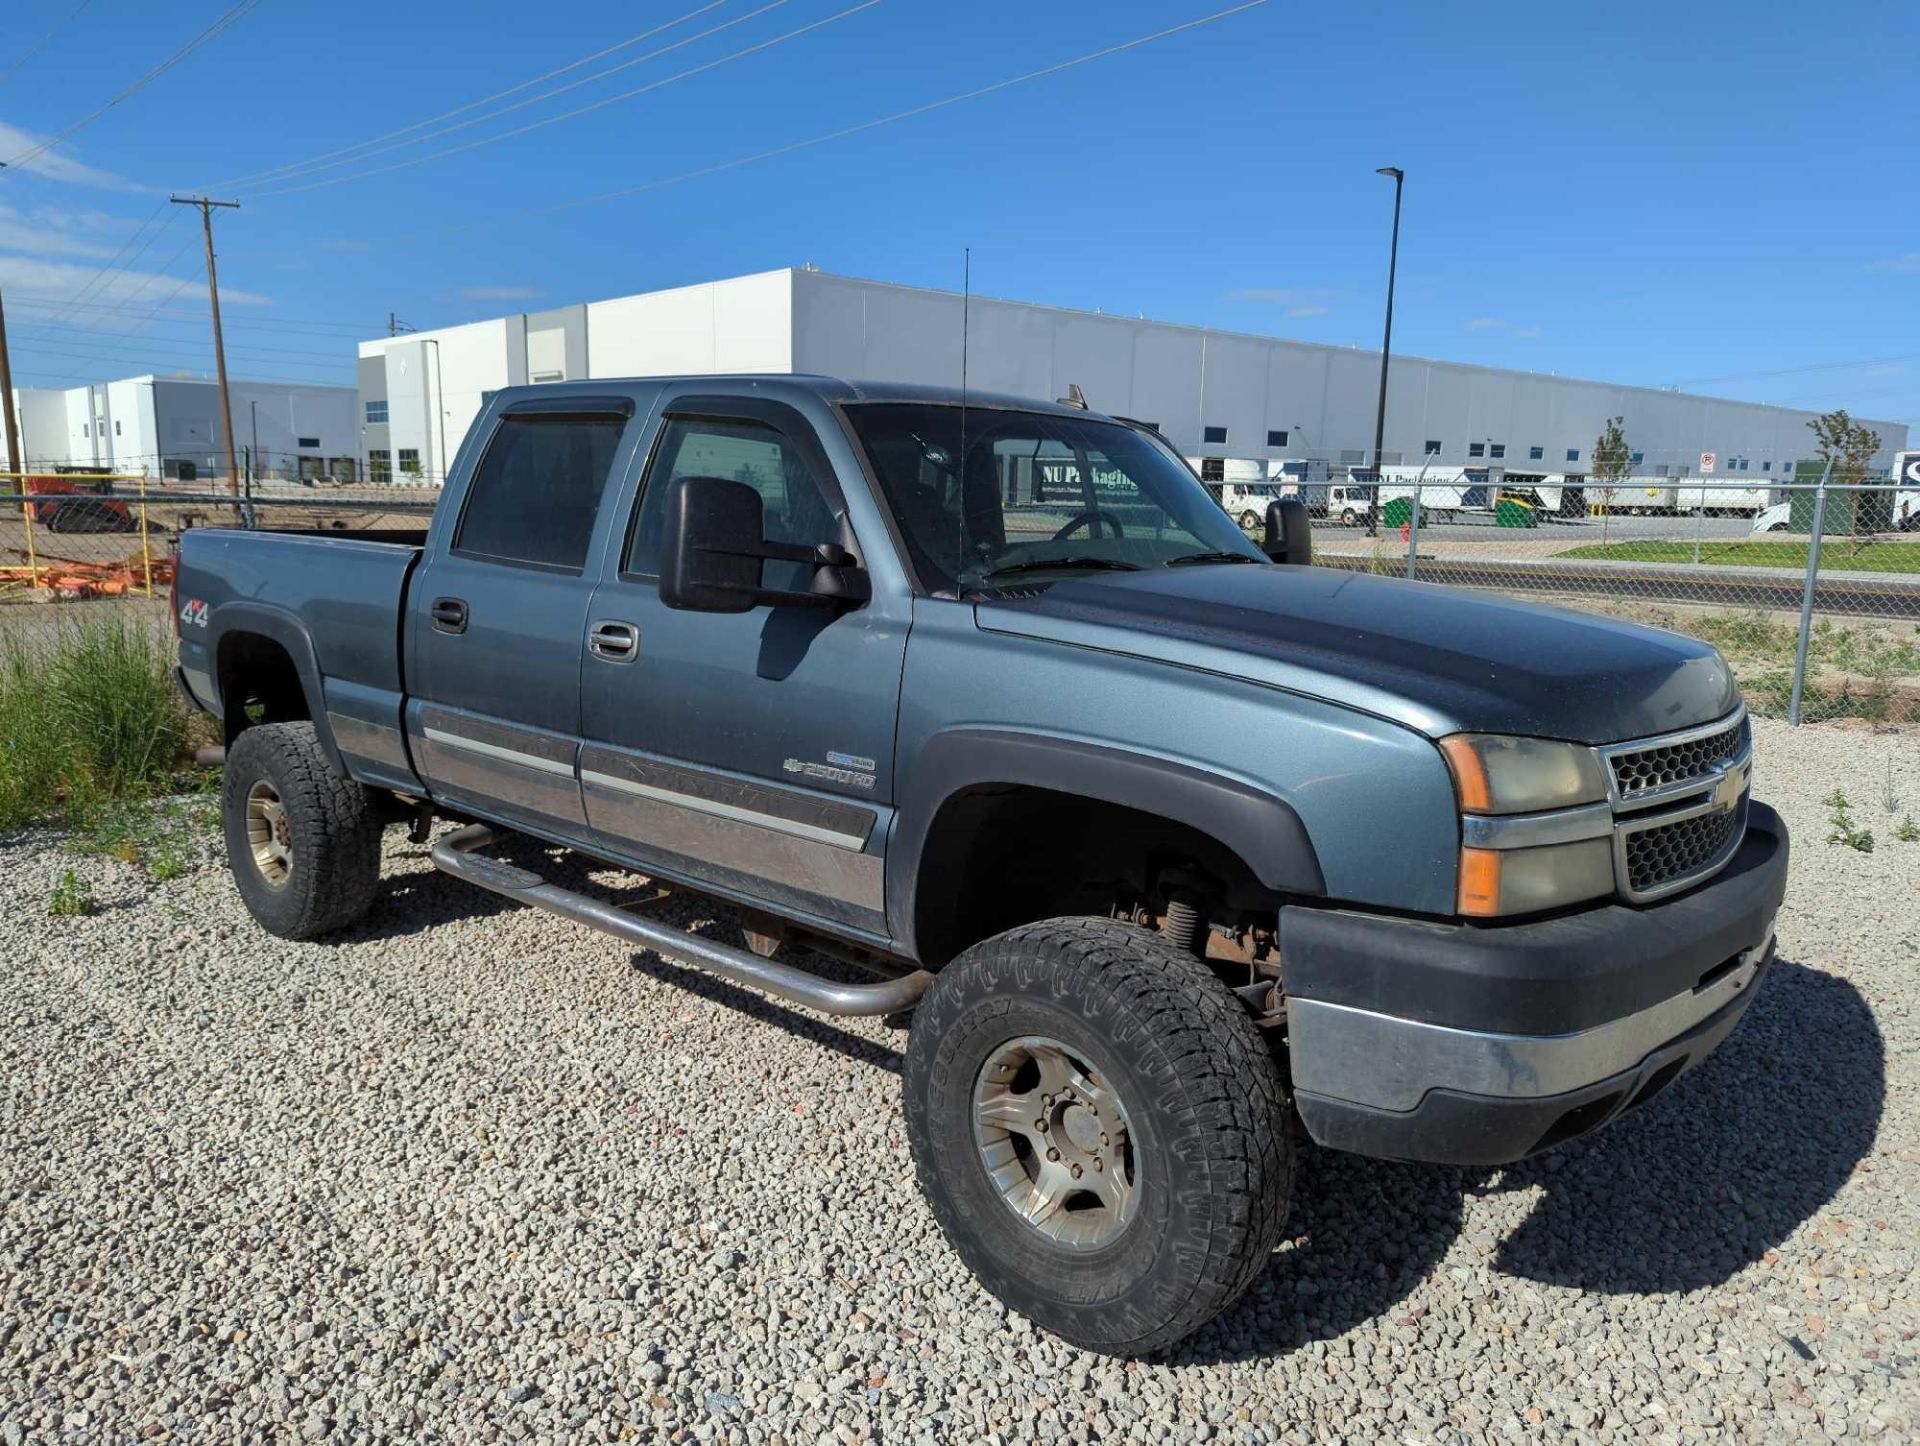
x=477, y=1174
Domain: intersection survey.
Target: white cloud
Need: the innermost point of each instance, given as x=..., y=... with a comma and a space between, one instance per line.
x=118, y=299
x=1499, y=323
x=56, y=164
x=58, y=231
x=500, y=293
x=1908, y=262
x=1298, y=301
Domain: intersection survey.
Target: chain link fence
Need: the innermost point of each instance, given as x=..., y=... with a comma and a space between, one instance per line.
x=1809, y=586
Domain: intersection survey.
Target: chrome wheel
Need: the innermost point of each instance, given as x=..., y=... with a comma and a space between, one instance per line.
x=1054, y=1139
x=269, y=834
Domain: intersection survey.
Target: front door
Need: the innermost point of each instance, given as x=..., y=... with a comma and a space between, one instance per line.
x=498, y=614
x=751, y=753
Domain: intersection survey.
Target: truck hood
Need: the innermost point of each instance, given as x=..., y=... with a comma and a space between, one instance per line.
x=1440, y=659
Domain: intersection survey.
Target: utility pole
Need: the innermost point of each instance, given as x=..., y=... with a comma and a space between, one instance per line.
x=6, y=405
x=219, y=343
x=6, y=398
x=395, y=325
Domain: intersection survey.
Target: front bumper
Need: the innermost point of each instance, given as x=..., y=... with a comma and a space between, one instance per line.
x=1476, y=1045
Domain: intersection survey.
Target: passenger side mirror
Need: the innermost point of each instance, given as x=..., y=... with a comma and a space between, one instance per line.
x=715, y=543
x=1289, y=536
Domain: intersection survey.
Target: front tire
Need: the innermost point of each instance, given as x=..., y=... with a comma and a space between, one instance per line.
x=1100, y=1130
x=1348, y=518
x=303, y=840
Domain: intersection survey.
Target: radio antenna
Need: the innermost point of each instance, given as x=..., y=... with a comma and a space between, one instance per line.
x=960, y=466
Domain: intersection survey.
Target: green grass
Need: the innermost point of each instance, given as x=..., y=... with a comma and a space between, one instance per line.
x=88, y=719
x=72, y=897
x=1835, y=553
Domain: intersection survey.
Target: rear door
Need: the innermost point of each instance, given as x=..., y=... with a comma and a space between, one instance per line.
x=498, y=611
x=751, y=753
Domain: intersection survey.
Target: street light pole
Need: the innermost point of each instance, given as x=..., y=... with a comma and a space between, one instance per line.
x=1386, y=350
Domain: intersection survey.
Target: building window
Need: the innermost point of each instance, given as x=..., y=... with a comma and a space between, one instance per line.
x=1766, y=466
x=1660, y=470
x=377, y=412
x=1213, y=469
x=1573, y=454
x=1534, y=454
x=1214, y=436
x=1476, y=449
x=116, y=426
x=342, y=469
x=1274, y=439
x=380, y=466
x=549, y=376
x=313, y=442
x=1637, y=457
x=1433, y=446
x=410, y=461
x=1496, y=449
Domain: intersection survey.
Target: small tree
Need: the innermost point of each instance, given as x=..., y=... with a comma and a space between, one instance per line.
x=1612, y=460
x=1849, y=446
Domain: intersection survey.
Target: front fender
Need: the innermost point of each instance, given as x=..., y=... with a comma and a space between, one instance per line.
x=1260, y=827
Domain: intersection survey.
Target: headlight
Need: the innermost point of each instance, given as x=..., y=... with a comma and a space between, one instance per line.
x=1492, y=774
x=1537, y=831
x=1525, y=881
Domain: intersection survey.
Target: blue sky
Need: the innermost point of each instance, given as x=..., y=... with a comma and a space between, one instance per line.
x=1648, y=193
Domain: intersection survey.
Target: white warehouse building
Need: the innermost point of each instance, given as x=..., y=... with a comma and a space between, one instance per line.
x=1239, y=404
x=170, y=426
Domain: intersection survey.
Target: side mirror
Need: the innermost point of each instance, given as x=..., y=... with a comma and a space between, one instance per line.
x=715, y=542
x=1289, y=535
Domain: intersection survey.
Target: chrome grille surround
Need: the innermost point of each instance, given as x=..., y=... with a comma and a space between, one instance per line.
x=1679, y=803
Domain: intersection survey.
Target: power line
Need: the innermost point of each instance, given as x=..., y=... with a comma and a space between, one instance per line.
x=583, y=110
x=114, y=264
x=313, y=325
x=327, y=158
x=1839, y=366
x=843, y=133
x=227, y=18
x=43, y=42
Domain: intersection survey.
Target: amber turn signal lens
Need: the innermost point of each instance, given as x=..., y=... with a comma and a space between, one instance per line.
x=1479, y=882
x=1469, y=775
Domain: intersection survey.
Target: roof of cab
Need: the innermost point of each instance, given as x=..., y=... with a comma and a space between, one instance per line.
x=834, y=389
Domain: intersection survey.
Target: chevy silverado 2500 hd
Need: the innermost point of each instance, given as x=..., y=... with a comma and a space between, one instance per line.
x=1175, y=846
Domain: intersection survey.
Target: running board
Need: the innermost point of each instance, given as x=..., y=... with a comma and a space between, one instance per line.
x=458, y=854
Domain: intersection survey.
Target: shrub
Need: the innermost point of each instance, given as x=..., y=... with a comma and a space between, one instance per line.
x=89, y=717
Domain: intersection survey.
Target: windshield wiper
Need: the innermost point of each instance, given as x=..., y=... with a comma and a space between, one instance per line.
x=1063, y=564
x=1189, y=559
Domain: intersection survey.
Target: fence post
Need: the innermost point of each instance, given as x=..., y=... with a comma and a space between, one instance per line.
x=1806, y=597
x=1413, y=534
x=146, y=549
x=26, y=513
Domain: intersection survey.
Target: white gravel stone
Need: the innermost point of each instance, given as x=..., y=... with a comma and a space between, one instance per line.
x=471, y=1174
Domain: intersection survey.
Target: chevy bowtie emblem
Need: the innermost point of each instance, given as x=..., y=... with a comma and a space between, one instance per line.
x=1732, y=783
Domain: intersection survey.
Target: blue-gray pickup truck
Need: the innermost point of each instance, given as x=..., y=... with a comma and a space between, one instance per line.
x=1170, y=848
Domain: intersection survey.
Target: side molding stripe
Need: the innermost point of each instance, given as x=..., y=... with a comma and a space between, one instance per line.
x=492, y=750
x=853, y=842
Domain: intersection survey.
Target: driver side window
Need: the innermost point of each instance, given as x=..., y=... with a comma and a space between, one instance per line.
x=795, y=507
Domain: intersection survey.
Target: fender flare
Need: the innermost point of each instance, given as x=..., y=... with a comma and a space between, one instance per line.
x=277, y=625
x=1259, y=826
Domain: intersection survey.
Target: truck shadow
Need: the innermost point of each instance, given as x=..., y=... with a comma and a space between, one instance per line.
x=1707, y=1179
x=1680, y=1195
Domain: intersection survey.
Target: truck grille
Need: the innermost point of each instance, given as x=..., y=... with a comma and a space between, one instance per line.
x=1639, y=772
x=1657, y=856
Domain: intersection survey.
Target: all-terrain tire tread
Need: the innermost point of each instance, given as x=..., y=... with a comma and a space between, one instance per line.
x=337, y=867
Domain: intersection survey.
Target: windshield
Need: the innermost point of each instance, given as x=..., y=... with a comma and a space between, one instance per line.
x=1042, y=494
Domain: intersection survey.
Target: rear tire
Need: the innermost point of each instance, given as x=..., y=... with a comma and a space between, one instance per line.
x=1166, y=1069
x=303, y=840
x=1348, y=518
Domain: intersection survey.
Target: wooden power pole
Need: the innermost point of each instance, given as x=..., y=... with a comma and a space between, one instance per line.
x=19, y=483
x=219, y=343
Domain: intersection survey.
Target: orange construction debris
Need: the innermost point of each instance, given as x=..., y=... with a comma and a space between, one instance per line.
x=69, y=578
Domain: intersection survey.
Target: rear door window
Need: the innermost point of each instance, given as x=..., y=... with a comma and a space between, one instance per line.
x=535, y=495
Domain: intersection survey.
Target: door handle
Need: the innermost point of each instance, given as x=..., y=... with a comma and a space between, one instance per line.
x=450, y=614
x=615, y=641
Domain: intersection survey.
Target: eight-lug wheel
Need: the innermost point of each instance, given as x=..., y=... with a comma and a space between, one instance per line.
x=269, y=834
x=1055, y=1142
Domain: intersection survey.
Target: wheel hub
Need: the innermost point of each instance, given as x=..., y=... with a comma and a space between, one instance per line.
x=269, y=834
x=1054, y=1139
